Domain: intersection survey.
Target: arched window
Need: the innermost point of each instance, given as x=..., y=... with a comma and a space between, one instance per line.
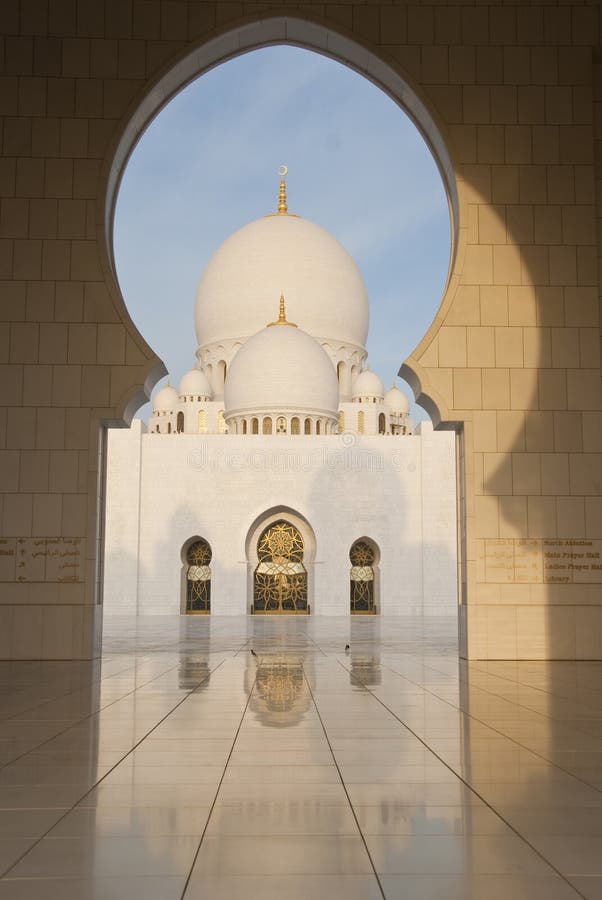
x=202, y=421
x=362, y=557
x=222, y=428
x=198, y=578
x=341, y=372
x=382, y=423
x=341, y=421
x=267, y=425
x=244, y=426
x=360, y=422
x=280, y=579
x=318, y=427
x=308, y=426
x=280, y=425
x=169, y=427
x=254, y=426
x=295, y=425
x=180, y=422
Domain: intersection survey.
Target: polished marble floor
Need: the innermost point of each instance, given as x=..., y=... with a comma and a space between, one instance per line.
x=183, y=766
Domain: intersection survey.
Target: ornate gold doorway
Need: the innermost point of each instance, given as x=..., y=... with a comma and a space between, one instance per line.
x=280, y=579
x=362, y=558
x=198, y=579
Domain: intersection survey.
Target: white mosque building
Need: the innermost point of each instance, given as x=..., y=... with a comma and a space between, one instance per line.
x=280, y=477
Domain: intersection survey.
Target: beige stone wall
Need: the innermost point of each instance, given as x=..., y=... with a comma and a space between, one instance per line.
x=513, y=356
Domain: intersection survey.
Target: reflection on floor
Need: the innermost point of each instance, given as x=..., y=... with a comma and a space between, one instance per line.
x=183, y=766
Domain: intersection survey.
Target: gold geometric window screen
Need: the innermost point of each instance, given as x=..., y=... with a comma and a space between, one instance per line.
x=280, y=579
x=361, y=581
x=198, y=578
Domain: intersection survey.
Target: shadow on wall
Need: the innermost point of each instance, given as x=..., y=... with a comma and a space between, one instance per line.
x=333, y=506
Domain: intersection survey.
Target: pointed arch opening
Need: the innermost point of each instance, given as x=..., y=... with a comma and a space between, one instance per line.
x=280, y=577
x=197, y=555
x=194, y=62
x=280, y=550
x=363, y=577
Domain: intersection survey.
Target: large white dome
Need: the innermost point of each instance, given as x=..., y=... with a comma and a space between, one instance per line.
x=281, y=369
x=325, y=292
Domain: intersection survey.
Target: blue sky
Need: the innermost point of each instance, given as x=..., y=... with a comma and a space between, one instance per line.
x=357, y=166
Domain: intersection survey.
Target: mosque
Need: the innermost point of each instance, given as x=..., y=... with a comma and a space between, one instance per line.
x=280, y=477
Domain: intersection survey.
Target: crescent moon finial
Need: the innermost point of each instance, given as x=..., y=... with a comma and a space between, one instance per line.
x=282, y=204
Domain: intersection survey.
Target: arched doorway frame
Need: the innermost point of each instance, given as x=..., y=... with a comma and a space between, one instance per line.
x=259, y=525
x=245, y=35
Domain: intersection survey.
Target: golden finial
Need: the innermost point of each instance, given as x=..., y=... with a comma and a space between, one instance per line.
x=282, y=204
x=281, y=320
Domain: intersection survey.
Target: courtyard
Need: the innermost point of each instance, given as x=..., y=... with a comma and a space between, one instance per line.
x=182, y=765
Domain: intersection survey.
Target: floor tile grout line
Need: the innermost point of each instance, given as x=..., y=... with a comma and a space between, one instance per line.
x=212, y=807
x=243, y=646
x=59, y=697
x=503, y=678
x=91, y=715
x=462, y=679
x=507, y=737
x=523, y=706
x=493, y=729
x=472, y=789
x=344, y=786
x=477, y=665
x=4, y=874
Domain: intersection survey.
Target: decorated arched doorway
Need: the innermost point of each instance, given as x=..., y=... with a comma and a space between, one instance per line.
x=280, y=577
x=198, y=578
x=363, y=578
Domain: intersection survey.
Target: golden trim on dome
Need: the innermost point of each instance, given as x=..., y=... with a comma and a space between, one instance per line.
x=281, y=320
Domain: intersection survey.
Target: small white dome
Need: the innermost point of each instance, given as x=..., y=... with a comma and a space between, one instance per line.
x=195, y=383
x=325, y=292
x=166, y=399
x=281, y=369
x=397, y=401
x=367, y=384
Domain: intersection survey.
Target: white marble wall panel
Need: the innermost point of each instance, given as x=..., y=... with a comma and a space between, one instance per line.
x=164, y=490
